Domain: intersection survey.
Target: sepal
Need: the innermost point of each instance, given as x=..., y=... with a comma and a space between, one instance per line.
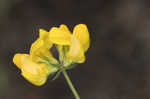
x=57, y=74
x=72, y=66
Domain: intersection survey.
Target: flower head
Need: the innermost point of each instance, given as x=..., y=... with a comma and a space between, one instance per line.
x=40, y=63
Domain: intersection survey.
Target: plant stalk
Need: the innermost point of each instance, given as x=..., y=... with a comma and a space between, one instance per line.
x=76, y=95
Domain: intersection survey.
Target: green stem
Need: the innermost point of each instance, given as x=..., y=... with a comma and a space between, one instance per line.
x=70, y=84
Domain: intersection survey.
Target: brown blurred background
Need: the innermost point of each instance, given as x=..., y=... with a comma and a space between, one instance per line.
x=118, y=60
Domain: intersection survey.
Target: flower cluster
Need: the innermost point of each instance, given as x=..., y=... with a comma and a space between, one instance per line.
x=40, y=63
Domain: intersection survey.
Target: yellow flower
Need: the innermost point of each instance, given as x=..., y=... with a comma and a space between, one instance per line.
x=34, y=66
x=33, y=72
x=40, y=63
x=78, y=41
x=41, y=47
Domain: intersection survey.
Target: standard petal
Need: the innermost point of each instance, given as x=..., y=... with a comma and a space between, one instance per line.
x=41, y=43
x=76, y=52
x=64, y=28
x=81, y=33
x=43, y=34
x=59, y=36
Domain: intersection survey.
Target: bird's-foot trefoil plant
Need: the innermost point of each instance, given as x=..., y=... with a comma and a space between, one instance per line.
x=40, y=63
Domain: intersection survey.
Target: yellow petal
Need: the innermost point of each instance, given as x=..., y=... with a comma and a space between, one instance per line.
x=39, y=49
x=59, y=36
x=35, y=50
x=81, y=33
x=33, y=72
x=43, y=34
x=76, y=52
x=41, y=43
x=64, y=28
x=17, y=59
x=36, y=46
x=34, y=79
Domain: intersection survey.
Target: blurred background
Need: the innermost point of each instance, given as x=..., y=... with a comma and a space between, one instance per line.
x=118, y=60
